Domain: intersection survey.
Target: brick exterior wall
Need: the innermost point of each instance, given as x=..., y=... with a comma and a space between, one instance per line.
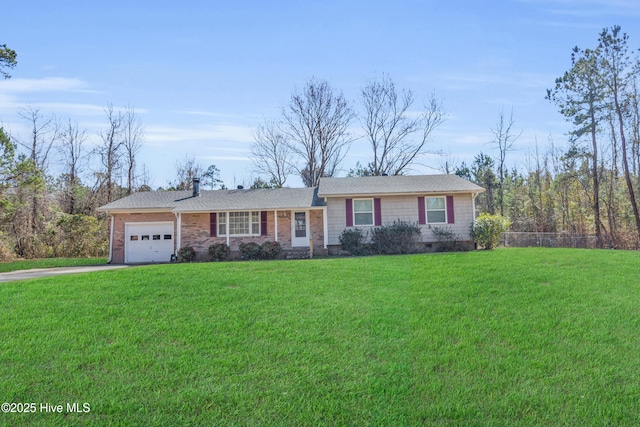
x=118, y=229
x=195, y=232
x=316, y=222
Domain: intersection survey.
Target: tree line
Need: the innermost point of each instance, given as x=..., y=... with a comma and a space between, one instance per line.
x=587, y=186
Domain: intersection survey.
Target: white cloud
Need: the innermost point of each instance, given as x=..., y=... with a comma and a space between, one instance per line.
x=529, y=80
x=216, y=115
x=231, y=134
x=71, y=108
x=228, y=158
x=47, y=84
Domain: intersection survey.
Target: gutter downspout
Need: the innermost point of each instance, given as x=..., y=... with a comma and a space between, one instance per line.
x=111, y=238
x=473, y=204
x=178, y=232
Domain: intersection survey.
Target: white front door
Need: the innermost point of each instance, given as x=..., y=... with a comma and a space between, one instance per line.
x=300, y=229
x=148, y=242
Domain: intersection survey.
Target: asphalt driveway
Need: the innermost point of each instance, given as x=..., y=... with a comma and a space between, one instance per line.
x=45, y=272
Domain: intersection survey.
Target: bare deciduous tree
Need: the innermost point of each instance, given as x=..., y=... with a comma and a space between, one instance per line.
x=316, y=125
x=132, y=140
x=396, y=134
x=504, y=140
x=448, y=162
x=271, y=154
x=186, y=170
x=72, y=142
x=45, y=133
x=144, y=179
x=110, y=151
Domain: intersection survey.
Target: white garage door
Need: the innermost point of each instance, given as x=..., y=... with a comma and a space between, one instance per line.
x=148, y=242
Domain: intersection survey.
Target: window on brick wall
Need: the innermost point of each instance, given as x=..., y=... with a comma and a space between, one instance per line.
x=239, y=223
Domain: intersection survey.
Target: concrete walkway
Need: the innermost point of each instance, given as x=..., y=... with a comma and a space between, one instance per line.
x=56, y=271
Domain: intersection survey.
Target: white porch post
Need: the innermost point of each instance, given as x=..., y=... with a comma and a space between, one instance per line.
x=178, y=232
x=226, y=226
x=275, y=220
x=325, y=225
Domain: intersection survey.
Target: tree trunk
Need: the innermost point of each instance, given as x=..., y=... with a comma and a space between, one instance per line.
x=596, y=183
x=625, y=165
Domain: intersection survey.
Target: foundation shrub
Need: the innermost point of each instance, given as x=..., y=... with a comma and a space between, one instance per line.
x=219, y=251
x=400, y=237
x=352, y=241
x=186, y=254
x=270, y=250
x=250, y=251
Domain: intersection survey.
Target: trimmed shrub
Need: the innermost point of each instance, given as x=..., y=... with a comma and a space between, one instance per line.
x=186, y=254
x=352, y=241
x=270, y=250
x=398, y=238
x=486, y=230
x=219, y=251
x=250, y=251
x=447, y=239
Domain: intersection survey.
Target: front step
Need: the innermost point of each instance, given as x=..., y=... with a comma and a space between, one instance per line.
x=298, y=254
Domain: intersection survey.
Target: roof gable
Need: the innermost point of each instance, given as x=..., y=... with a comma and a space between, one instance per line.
x=399, y=184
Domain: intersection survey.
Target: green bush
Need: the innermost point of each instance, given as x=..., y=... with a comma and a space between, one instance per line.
x=486, y=230
x=447, y=239
x=186, y=254
x=270, y=250
x=352, y=241
x=250, y=250
x=398, y=238
x=219, y=251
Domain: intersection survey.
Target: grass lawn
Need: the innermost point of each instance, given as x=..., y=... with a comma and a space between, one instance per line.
x=510, y=337
x=28, y=264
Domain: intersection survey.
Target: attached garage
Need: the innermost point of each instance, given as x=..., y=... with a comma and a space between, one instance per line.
x=148, y=242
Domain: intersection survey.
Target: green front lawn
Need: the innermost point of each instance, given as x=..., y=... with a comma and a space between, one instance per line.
x=509, y=337
x=28, y=264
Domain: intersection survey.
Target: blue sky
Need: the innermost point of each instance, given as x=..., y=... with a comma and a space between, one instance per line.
x=203, y=74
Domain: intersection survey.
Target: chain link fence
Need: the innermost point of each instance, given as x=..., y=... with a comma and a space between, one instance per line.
x=549, y=240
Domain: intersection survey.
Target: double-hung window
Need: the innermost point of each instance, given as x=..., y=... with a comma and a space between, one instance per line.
x=362, y=212
x=436, y=210
x=239, y=223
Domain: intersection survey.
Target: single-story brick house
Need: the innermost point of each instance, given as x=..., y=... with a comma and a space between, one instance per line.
x=152, y=226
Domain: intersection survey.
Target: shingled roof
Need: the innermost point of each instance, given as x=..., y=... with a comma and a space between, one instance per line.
x=401, y=184
x=261, y=198
x=218, y=200
x=290, y=198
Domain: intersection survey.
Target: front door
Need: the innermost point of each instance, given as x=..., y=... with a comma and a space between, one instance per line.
x=300, y=229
